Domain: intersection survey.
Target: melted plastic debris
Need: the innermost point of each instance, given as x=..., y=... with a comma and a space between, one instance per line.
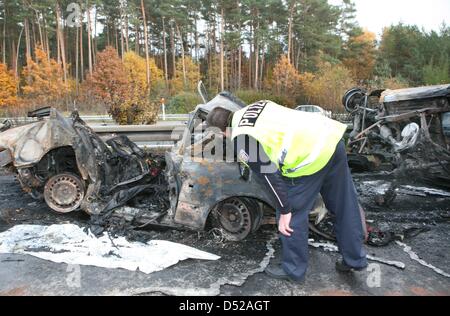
x=69, y=244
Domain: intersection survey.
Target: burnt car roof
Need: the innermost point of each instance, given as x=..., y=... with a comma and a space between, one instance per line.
x=225, y=100
x=416, y=93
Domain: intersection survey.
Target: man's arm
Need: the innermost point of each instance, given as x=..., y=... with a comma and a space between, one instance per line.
x=251, y=153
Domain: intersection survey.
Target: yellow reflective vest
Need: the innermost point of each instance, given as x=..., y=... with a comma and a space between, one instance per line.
x=299, y=143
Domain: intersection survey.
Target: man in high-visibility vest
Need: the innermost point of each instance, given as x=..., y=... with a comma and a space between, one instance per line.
x=299, y=155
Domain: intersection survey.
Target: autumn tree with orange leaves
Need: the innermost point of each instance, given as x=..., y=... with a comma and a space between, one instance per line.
x=8, y=84
x=122, y=87
x=286, y=79
x=360, y=55
x=44, y=83
x=108, y=83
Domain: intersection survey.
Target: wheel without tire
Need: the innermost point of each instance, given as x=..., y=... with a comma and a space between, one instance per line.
x=234, y=218
x=64, y=192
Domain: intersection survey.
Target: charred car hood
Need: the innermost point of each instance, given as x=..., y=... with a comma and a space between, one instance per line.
x=28, y=144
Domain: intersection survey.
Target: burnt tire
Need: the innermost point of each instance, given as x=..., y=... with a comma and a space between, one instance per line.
x=257, y=213
x=64, y=192
x=236, y=218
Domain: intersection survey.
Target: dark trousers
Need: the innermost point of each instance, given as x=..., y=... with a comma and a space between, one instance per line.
x=336, y=185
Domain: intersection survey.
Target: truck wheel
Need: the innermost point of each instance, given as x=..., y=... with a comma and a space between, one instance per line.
x=64, y=193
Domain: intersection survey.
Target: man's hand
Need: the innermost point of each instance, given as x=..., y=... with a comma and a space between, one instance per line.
x=284, y=224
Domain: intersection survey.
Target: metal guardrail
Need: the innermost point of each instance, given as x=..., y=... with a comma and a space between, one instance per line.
x=163, y=134
x=97, y=118
x=143, y=134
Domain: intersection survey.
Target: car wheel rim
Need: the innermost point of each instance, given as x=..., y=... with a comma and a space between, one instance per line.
x=64, y=193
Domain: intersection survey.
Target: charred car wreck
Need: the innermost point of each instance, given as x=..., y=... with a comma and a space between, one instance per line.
x=405, y=130
x=62, y=161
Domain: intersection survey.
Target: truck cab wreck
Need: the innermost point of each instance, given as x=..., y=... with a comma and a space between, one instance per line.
x=406, y=130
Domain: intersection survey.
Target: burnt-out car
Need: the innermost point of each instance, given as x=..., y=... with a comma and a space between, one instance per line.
x=209, y=189
x=406, y=130
x=198, y=185
x=64, y=162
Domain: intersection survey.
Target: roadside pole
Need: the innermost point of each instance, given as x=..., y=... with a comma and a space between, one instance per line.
x=163, y=104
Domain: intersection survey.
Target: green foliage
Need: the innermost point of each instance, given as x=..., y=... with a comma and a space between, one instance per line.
x=252, y=96
x=410, y=53
x=316, y=29
x=437, y=73
x=182, y=103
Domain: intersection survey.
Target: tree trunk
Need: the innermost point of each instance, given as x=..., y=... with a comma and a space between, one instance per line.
x=240, y=67
x=27, y=41
x=16, y=55
x=127, y=26
x=291, y=17
x=89, y=30
x=60, y=36
x=166, y=73
x=81, y=53
x=256, y=58
x=147, y=58
x=33, y=42
x=250, y=59
x=261, y=75
x=94, y=39
x=14, y=58
x=41, y=37
x=122, y=39
x=108, y=34
x=4, y=36
x=137, y=48
x=77, y=66
x=182, y=54
x=297, y=61
x=239, y=81
x=222, y=53
x=47, y=42
x=197, y=42
x=172, y=44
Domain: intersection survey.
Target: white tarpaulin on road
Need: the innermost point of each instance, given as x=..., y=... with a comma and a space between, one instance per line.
x=70, y=244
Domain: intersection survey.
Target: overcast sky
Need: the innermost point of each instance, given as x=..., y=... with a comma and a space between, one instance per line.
x=376, y=14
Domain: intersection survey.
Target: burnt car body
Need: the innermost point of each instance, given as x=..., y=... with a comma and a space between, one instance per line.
x=406, y=130
x=200, y=186
x=62, y=161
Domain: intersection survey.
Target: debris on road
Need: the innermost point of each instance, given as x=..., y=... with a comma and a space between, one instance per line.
x=333, y=248
x=69, y=244
x=415, y=257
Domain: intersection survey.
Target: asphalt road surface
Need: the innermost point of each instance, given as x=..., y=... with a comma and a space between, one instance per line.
x=240, y=269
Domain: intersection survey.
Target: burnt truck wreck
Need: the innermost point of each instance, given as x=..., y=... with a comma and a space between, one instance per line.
x=407, y=131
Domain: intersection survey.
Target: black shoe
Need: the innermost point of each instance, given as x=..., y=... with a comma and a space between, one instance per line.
x=341, y=266
x=277, y=272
